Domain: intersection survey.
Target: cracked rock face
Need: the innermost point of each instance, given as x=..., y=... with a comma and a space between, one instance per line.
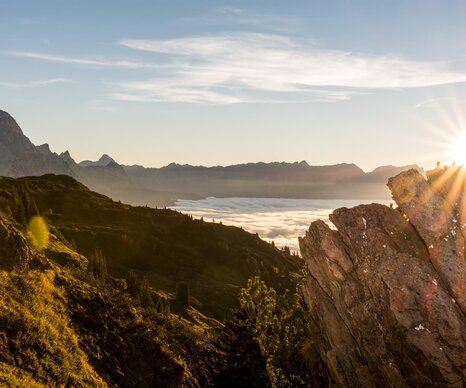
x=386, y=290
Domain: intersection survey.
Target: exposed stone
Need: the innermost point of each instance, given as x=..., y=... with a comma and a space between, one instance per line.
x=383, y=291
x=436, y=218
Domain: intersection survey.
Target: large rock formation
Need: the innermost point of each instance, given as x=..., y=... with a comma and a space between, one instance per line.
x=387, y=288
x=19, y=157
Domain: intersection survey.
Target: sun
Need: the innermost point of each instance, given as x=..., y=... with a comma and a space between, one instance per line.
x=458, y=150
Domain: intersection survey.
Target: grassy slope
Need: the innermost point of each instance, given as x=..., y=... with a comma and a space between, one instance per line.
x=168, y=247
x=61, y=327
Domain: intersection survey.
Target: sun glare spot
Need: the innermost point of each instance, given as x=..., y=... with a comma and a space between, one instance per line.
x=458, y=152
x=38, y=233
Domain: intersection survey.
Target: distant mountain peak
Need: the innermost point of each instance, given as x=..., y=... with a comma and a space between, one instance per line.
x=8, y=125
x=104, y=160
x=66, y=156
x=44, y=148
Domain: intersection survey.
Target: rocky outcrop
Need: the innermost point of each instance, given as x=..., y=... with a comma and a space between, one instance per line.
x=386, y=290
x=19, y=157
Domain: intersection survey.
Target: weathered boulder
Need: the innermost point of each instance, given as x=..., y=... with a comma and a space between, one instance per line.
x=386, y=290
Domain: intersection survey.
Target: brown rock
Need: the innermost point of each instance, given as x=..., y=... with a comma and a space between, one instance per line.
x=437, y=219
x=385, y=306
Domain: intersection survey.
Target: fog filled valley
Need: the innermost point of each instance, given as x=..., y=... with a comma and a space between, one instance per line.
x=281, y=220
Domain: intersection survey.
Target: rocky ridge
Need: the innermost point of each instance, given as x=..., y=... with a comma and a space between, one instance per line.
x=20, y=157
x=386, y=290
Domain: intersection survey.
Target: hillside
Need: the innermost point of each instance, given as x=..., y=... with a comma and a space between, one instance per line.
x=61, y=326
x=166, y=246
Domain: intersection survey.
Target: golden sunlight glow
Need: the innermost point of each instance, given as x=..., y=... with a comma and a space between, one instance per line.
x=458, y=152
x=38, y=233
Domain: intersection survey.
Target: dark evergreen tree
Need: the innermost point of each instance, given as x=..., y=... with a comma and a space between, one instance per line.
x=244, y=364
x=145, y=296
x=98, y=265
x=182, y=295
x=133, y=284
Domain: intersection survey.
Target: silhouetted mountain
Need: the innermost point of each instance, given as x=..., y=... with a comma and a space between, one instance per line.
x=286, y=180
x=103, y=161
x=139, y=185
x=19, y=157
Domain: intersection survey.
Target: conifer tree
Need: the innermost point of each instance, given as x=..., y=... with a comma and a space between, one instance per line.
x=182, y=294
x=133, y=283
x=145, y=295
x=98, y=265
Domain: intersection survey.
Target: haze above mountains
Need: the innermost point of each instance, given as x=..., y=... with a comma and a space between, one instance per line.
x=138, y=185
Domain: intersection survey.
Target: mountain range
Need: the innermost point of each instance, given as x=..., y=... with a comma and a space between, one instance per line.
x=140, y=185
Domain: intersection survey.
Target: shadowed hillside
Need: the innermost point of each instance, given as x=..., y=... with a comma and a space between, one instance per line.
x=60, y=325
x=168, y=247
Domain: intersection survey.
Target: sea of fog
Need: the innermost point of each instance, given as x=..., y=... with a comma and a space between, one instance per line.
x=279, y=219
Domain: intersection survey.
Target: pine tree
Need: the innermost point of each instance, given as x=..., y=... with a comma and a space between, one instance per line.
x=182, y=295
x=98, y=265
x=145, y=295
x=133, y=284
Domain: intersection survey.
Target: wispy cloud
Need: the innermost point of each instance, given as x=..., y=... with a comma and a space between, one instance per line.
x=256, y=67
x=234, y=16
x=250, y=67
x=33, y=84
x=84, y=61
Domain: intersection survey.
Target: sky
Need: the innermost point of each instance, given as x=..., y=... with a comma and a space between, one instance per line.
x=219, y=83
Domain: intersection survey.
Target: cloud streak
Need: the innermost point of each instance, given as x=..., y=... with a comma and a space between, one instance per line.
x=251, y=67
x=127, y=64
x=234, y=16
x=256, y=68
x=33, y=84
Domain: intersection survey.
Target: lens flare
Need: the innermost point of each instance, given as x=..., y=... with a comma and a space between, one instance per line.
x=458, y=152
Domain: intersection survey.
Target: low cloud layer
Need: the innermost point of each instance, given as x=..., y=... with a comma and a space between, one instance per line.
x=280, y=220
